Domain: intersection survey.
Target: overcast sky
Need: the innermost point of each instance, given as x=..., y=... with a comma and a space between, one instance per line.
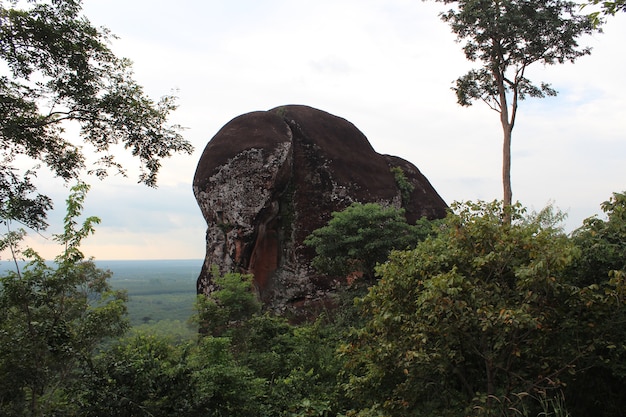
x=385, y=65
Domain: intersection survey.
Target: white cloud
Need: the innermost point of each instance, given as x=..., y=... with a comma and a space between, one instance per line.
x=386, y=66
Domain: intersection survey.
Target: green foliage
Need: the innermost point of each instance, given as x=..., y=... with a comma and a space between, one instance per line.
x=222, y=387
x=16, y=199
x=484, y=317
x=478, y=319
x=144, y=375
x=361, y=236
x=233, y=302
x=298, y=365
x=405, y=187
x=59, y=70
x=52, y=319
x=601, y=268
x=602, y=242
x=149, y=375
x=607, y=8
x=265, y=343
x=506, y=37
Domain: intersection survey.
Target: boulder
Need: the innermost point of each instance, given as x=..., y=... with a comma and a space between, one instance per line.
x=267, y=179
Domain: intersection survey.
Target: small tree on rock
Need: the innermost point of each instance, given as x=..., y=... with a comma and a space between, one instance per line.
x=361, y=236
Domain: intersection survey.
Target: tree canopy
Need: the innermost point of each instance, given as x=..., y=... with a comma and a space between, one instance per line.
x=59, y=72
x=506, y=37
x=602, y=242
x=362, y=235
x=483, y=319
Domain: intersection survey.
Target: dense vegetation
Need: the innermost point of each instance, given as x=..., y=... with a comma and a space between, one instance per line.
x=480, y=318
x=491, y=312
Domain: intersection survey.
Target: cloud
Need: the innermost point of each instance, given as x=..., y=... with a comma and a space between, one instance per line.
x=386, y=66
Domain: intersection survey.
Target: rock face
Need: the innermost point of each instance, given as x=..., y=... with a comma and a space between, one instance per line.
x=267, y=179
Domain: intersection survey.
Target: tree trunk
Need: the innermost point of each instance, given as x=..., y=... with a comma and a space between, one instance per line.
x=507, y=129
x=506, y=168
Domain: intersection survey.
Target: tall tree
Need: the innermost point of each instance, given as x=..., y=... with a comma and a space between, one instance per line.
x=57, y=71
x=506, y=37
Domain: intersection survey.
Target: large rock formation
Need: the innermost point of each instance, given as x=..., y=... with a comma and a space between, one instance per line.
x=267, y=179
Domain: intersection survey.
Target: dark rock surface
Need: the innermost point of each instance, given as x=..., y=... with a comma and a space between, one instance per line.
x=267, y=179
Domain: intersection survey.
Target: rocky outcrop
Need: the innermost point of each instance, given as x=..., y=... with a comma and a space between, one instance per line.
x=267, y=179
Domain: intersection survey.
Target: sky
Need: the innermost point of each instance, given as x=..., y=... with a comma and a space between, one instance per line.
x=388, y=67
